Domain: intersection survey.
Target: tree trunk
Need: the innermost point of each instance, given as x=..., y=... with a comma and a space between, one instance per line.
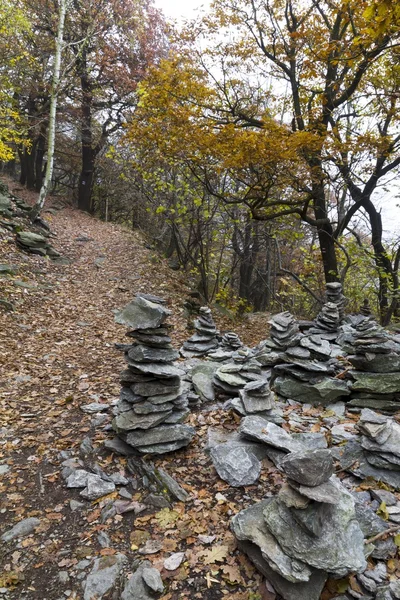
x=86, y=179
x=325, y=230
x=53, y=109
x=40, y=148
x=29, y=157
x=22, y=175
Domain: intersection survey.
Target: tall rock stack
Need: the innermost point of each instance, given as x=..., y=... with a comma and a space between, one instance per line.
x=334, y=294
x=285, y=331
x=305, y=534
x=375, y=355
x=205, y=338
x=151, y=406
x=365, y=309
x=327, y=322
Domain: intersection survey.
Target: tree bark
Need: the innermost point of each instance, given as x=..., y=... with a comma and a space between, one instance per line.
x=53, y=110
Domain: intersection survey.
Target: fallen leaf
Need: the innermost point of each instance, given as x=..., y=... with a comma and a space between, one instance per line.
x=215, y=554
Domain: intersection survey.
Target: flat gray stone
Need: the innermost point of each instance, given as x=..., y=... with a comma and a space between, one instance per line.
x=238, y=466
x=145, y=354
x=94, y=407
x=161, y=435
x=202, y=378
x=77, y=479
x=381, y=383
x=156, y=369
x=309, y=467
x=21, y=529
x=292, y=498
x=310, y=590
x=173, y=487
x=97, y=487
x=391, y=445
x=326, y=492
x=104, y=576
x=338, y=550
x=249, y=525
x=129, y=420
x=138, y=588
x=142, y=314
x=156, y=388
x=152, y=579
x=258, y=429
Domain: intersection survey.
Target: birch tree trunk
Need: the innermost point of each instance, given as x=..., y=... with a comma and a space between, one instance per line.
x=52, y=116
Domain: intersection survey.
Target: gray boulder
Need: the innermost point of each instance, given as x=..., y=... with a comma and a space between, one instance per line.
x=339, y=549
x=309, y=467
x=104, y=576
x=144, y=584
x=236, y=465
x=142, y=313
x=249, y=525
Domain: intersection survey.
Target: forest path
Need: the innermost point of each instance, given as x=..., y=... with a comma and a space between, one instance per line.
x=56, y=354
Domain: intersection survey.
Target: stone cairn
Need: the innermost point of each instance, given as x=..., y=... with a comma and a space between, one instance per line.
x=284, y=331
x=304, y=366
x=229, y=378
x=205, y=338
x=334, y=294
x=375, y=356
x=365, y=309
x=151, y=406
x=306, y=533
x=327, y=321
x=230, y=343
x=380, y=442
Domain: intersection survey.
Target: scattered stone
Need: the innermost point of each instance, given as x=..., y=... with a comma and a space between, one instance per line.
x=174, y=561
x=237, y=466
x=104, y=576
x=97, y=487
x=144, y=584
x=21, y=529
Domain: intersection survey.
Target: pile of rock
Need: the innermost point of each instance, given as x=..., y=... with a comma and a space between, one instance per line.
x=256, y=398
x=376, y=357
x=237, y=455
x=327, y=321
x=229, y=344
x=285, y=331
x=365, y=308
x=381, y=445
x=305, y=534
x=231, y=377
x=35, y=244
x=205, y=338
x=334, y=294
x=152, y=405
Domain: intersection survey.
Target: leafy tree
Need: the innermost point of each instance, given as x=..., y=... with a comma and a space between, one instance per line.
x=276, y=97
x=14, y=30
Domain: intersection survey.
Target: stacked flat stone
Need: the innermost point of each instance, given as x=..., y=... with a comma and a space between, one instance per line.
x=35, y=244
x=229, y=344
x=152, y=406
x=256, y=398
x=305, y=534
x=381, y=448
x=205, y=338
x=231, y=377
x=365, y=309
x=334, y=294
x=375, y=355
x=284, y=331
x=328, y=320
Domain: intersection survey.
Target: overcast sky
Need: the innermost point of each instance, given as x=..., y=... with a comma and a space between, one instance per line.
x=178, y=9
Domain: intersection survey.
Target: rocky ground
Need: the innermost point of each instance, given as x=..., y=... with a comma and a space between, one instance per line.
x=57, y=356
